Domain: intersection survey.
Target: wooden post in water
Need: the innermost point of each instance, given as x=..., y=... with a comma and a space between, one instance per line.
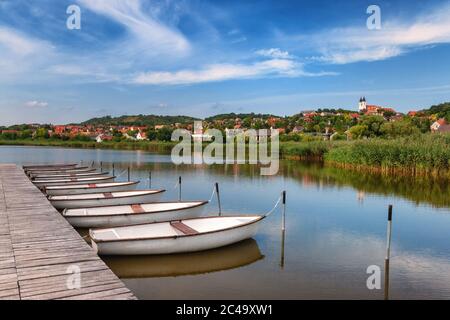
x=283, y=227
x=92, y=164
x=149, y=179
x=218, y=199
x=113, y=170
x=128, y=174
x=101, y=166
x=388, y=254
x=179, y=188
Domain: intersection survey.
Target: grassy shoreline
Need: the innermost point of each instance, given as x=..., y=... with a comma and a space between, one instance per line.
x=426, y=154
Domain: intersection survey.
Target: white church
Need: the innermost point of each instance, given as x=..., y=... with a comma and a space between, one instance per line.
x=362, y=104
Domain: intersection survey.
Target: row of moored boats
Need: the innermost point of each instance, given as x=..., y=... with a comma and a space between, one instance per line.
x=126, y=221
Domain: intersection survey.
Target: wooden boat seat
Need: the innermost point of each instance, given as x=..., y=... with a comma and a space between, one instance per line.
x=108, y=195
x=180, y=226
x=137, y=208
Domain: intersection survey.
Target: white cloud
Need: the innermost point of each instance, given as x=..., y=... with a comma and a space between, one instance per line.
x=233, y=32
x=70, y=70
x=17, y=43
x=221, y=72
x=84, y=72
x=149, y=33
x=280, y=64
x=238, y=40
x=353, y=44
x=20, y=53
x=35, y=103
x=274, y=53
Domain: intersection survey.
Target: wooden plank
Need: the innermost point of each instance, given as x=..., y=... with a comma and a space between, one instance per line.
x=180, y=226
x=38, y=247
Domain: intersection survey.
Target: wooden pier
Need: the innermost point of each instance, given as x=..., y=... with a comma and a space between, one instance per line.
x=41, y=255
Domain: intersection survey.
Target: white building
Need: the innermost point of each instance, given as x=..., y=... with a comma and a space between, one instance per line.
x=362, y=106
x=141, y=136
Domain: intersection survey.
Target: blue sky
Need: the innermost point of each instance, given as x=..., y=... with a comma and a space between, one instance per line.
x=201, y=58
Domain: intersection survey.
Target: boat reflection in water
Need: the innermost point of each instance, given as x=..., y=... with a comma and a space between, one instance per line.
x=172, y=265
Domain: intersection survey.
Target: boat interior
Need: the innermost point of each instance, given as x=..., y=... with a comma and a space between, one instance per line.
x=170, y=229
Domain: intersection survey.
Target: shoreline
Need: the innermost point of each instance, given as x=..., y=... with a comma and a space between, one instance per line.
x=426, y=155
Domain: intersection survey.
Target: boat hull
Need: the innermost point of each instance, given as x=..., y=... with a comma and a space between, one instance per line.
x=109, y=221
x=69, y=176
x=60, y=192
x=50, y=166
x=71, y=183
x=83, y=203
x=33, y=174
x=177, y=244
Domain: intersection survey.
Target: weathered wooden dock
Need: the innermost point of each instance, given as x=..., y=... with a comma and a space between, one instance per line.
x=41, y=253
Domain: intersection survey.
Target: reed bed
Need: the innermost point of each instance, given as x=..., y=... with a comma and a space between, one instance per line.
x=421, y=154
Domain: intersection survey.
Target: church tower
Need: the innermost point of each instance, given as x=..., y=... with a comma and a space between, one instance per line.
x=362, y=106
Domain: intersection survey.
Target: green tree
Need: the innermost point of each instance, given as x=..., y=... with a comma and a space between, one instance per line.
x=399, y=129
x=152, y=134
x=358, y=131
x=422, y=123
x=373, y=124
x=164, y=134
x=42, y=133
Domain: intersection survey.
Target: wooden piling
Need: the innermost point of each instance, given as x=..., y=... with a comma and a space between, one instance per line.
x=149, y=179
x=388, y=254
x=218, y=199
x=283, y=227
x=179, y=188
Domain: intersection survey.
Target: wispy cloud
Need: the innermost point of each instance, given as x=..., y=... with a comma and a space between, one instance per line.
x=222, y=72
x=354, y=44
x=236, y=36
x=36, y=104
x=17, y=43
x=150, y=33
x=275, y=53
x=20, y=53
x=279, y=64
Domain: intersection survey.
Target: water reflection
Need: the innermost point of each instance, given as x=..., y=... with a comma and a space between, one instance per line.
x=335, y=229
x=229, y=257
x=419, y=190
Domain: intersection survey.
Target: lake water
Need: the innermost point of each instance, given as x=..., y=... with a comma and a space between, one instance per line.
x=335, y=229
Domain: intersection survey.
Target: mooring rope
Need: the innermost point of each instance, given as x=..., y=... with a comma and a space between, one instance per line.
x=212, y=195
x=124, y=171
x=274, y=207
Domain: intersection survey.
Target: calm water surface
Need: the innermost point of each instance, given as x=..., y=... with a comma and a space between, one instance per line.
x=336, y=228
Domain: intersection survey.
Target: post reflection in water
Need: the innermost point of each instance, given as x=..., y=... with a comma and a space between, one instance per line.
x=172, y=265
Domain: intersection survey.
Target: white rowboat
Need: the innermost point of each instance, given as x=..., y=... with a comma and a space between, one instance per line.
x=53, y=172
x=71, y=181
x=70, y=175
x=104, y=199
x=113, y=216
x=90, y=188
x=49, y=166
x=187, y=235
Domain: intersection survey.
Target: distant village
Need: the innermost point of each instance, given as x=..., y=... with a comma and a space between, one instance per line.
x=323, y=123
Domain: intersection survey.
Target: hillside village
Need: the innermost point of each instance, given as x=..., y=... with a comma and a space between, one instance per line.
x=367, y=121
